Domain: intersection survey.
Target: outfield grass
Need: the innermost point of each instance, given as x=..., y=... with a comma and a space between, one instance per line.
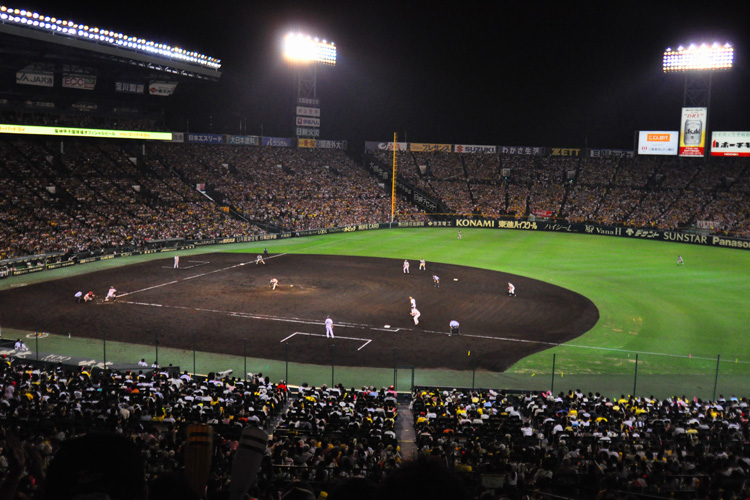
x=675, y=320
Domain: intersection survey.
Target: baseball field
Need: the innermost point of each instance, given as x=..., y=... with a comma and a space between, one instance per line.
x=637, y=321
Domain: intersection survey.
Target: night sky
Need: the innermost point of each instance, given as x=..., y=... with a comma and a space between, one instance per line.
x=558, y=74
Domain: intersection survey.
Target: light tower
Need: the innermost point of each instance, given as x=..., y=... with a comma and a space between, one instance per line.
x=306, y=53
x=698, y=63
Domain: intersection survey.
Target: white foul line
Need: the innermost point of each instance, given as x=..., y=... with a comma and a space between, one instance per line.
x=365, y=327
x=236, y=314
x=145, y=289
x=195, y=276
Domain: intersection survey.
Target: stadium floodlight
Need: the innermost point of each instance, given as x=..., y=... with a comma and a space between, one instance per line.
x=703, y=57
x=34, y=20
x=301, y=48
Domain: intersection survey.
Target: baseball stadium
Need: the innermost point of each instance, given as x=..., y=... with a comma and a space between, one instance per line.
x=221, y=314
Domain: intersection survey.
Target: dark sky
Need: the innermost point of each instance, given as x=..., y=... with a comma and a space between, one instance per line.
x=524, y=73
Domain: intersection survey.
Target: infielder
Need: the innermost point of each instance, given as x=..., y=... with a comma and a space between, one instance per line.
x=406, y=267
x=176, y=261
x=273, y=283
x=415, y=314
x=511, y=290
x=422, y=265
x=329, y=328
x=454, y=327
x=413, y=302
x=436, y=280
x=259, y=260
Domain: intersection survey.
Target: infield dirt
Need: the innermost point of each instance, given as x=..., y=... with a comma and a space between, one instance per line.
x=223, y=302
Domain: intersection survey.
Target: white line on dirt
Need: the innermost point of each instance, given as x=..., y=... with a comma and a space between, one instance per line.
x=366, y=341
x=194, y=276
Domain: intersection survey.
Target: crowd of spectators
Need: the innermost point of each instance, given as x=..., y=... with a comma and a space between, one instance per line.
x=43, y=409
x=319, y=435
x=666, y=193
x=76, y=196
x=484, y=443
x=83, y=196
x=578, y=445
x=328, y=434
x=290, y=189
x=94, y=197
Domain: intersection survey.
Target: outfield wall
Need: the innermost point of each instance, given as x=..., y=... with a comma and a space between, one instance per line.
x=42, y=262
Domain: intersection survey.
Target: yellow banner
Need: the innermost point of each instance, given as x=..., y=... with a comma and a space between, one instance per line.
x=307, y=143
x=422, y=147
x=84, y=132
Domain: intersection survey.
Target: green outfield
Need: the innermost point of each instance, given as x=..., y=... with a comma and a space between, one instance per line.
x=685, y=325
x=672, y=316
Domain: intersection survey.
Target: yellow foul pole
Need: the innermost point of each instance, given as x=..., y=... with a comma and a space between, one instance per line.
x=393, y=178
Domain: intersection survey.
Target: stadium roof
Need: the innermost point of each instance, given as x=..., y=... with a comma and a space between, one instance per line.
x=108, y=44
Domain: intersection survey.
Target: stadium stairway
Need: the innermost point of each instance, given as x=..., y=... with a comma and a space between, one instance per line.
x=405, y=433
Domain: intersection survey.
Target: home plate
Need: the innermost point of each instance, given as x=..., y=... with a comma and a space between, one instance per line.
x=386, y=326
x=455, y=279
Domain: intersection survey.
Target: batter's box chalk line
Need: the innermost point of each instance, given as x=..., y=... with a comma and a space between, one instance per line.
x=366, y=341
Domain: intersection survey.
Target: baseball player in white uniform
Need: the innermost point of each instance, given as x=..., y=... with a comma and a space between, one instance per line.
x=259, y=260
x=329, y=328
x=511, y=289
x=413, y=302
x=176, y=261
x=111, y=294
x=406, y=267
x=422, y=265
x=415, y=314
x=273, y=283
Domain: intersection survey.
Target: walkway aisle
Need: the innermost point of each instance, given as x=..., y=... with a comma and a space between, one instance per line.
x=405, y=433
